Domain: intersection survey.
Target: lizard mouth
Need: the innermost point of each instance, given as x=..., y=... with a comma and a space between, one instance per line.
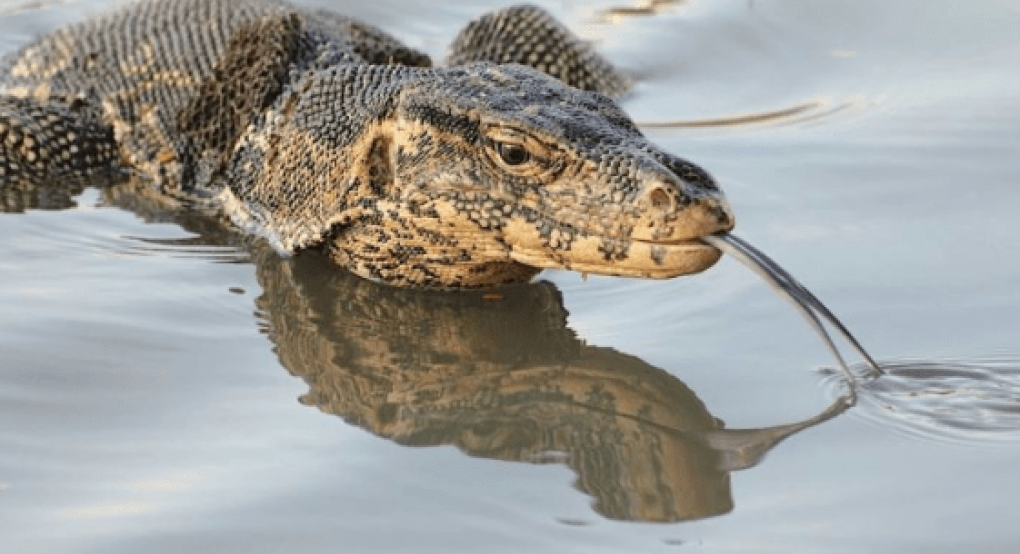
x=641, y=254
x=660, y=259
x=663, y=259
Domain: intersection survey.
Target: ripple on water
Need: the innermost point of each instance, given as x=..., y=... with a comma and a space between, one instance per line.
x=975, y=401
x=641, y=9
x=809, y=111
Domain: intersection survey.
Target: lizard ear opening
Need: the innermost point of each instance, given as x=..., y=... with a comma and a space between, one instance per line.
x=379, y=166
x=248, y=78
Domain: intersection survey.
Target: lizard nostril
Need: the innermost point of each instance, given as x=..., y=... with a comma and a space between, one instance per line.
x=660, y=199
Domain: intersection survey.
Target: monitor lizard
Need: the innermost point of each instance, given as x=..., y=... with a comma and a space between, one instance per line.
x=314, y=130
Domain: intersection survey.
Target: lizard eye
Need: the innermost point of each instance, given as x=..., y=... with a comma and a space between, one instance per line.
x=512, y=154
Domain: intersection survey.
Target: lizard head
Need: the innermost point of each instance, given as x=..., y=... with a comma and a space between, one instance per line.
x=520, y=170
x=469, y=176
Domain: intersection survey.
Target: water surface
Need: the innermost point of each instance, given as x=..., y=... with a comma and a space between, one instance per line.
x=166, y=387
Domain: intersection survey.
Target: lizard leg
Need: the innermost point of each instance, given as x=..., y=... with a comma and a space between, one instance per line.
x=44, y=140
x=529, y=36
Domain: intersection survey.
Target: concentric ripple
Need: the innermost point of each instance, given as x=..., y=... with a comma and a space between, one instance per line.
x=976, y=401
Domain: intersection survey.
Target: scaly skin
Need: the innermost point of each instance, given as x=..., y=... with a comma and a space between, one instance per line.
x=316, y=131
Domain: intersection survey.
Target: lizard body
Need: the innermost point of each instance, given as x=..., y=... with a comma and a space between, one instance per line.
x=314, y=130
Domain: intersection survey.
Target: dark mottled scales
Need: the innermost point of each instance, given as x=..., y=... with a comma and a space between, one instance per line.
x=528, y=35
x=314, y=130
x=245, y=82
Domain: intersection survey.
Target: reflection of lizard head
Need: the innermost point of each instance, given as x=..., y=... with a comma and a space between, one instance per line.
x=499, y=378
x=502, y=377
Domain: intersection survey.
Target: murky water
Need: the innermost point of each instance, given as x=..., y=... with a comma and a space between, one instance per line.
x=165, y=387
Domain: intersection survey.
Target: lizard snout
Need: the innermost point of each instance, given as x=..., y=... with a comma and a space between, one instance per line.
x=674, y=209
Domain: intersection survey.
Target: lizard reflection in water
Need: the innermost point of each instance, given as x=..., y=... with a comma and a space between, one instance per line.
x=505, y=379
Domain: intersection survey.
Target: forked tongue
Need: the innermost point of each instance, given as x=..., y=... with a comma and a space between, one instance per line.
x=791, y=290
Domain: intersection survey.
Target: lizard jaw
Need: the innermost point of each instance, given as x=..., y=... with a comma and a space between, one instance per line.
x=634, y=258
x=654, y=251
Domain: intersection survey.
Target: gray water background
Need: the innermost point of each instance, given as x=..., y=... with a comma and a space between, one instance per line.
x=144, y=407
